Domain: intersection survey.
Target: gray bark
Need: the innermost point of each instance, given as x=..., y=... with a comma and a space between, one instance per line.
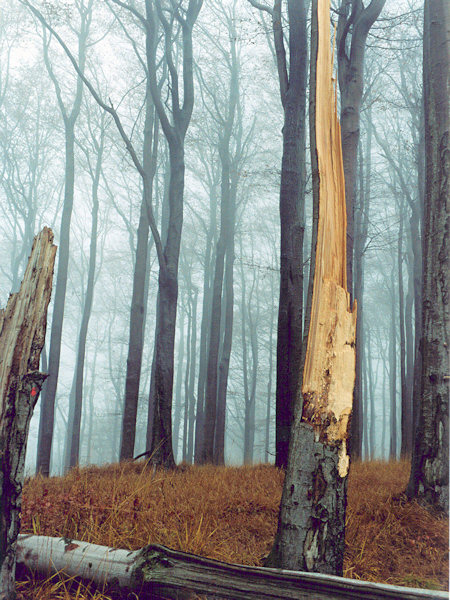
x=354, y=23
x=47, y=414
x=22, y=335
x=158, y=573
x=177, y=412
x=74, y=427
x=429, y=470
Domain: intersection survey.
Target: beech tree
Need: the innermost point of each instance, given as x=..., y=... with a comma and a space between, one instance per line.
x=75, y=408
x=292, y=74
x=354, y=23
x=429, y=469
x=311, y=521
x=69, y=115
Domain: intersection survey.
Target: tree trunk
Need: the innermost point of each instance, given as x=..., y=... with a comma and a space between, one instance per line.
x=292, y=195
x=269, y=381
x=409, y=342
x=163, y=360
x=355, y=22
x=204, y=331
x=209, y=423
x=224, y=364
x=406, y=413
x=192, y=372
x=186, y=379
x=74, y=432
x=310, y=534
x=393, y=376
x=177, y=412
x=47, y=414
x=140, y=290
x=22, y=334
x=372, y=386
x=429, y=470
x=159, y=573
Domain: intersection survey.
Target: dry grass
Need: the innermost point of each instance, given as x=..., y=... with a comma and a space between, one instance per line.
x=230, y=514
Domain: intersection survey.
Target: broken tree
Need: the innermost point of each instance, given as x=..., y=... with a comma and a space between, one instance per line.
x=22, y=335
x=310, y=535
x=159, y=573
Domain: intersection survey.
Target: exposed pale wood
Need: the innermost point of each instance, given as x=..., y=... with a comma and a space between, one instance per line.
x=311, y=523
x=158, y=572
x=329, y=371
x=22, y=335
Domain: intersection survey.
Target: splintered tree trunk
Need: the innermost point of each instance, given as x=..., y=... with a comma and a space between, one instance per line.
x=311, y=523
x=22, y=335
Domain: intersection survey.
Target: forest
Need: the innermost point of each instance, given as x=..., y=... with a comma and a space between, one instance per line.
x=174, y=148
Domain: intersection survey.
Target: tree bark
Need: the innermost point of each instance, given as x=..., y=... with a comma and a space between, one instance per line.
x=163, y=360
x=47, y=414
x=22, y=334
x=406, y=412
x=192, y=374
x=139, y=295
x=429, y=470
x=74, y=427
x=177, y=411
x=269, y=381
x=354, y=22
x=159, y=573
x=187, y=378
x=225, y=246
x=310, y=534
x=393, y=376
x=205, y=329
x=292, y=196
x=361, y=229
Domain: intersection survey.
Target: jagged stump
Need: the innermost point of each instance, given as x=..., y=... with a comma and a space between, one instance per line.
x=22, y=335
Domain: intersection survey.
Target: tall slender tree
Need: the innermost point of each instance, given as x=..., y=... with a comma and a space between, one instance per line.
x=69, y=116
x=292, y=74
x=429, y=469
x=74, y=420
x=225, y=121
x=354, y=23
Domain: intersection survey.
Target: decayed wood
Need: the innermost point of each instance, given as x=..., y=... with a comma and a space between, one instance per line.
x=22, y=336
x=157, y=572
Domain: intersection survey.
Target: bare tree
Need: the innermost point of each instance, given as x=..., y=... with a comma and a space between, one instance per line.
x=429, y=470
x=74, y=421
x=354, y=23
x=292, y=74
x=70, y=116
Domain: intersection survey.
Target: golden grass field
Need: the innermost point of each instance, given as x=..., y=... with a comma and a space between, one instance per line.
x=230, y=513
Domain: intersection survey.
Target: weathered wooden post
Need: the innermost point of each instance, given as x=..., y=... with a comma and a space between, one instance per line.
x=22, y=335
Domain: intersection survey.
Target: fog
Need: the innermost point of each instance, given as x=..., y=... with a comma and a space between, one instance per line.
x=200, y=170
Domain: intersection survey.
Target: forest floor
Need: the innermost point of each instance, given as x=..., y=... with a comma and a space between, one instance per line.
x=230, y=514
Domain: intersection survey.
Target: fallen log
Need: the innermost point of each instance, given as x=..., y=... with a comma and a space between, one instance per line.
x=22, y=335
x=158, y=573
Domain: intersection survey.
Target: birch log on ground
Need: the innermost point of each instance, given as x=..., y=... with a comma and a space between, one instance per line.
x=310, y=535
x=156, y=572
x=22, y=335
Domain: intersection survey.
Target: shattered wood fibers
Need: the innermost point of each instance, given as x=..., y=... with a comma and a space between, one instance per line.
x=230, y=514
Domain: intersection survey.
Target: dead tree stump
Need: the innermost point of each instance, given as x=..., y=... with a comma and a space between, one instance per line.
x=22, y=335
